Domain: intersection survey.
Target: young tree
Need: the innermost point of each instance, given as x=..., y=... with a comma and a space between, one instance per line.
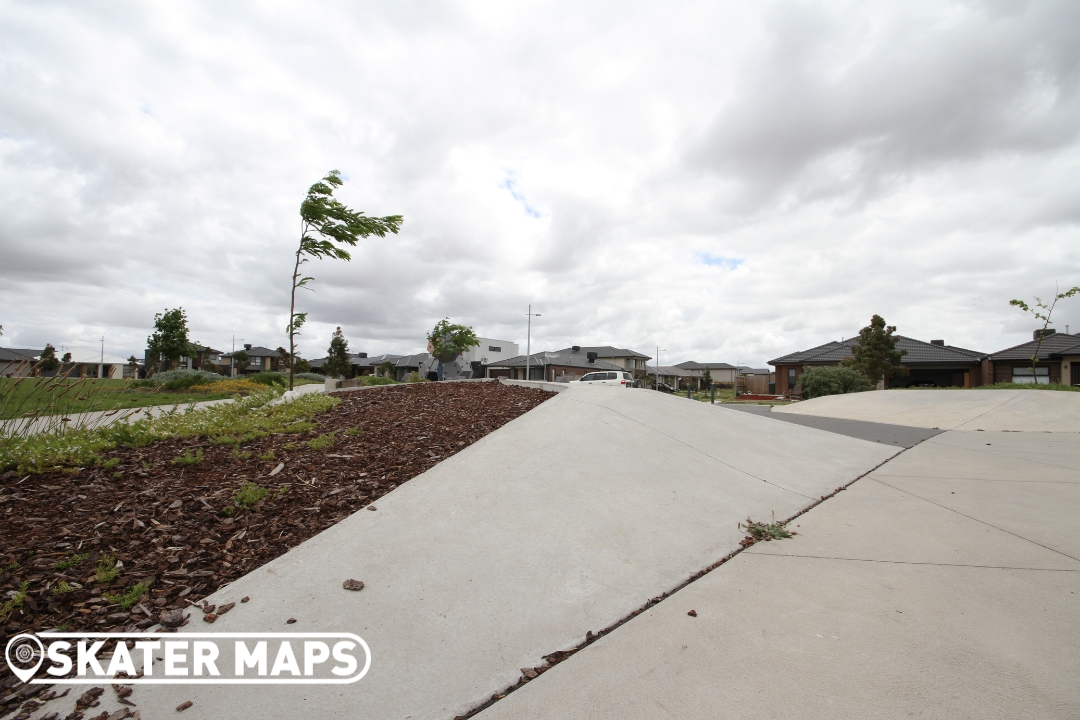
x=876, y=355
x=326, y=225
x=1042, y=311
x=170, y=338
x=386, y=368
x=48, y=362
x=133, y=367
x=337, y=356
x=706, y=379
x=446, y=340
x=66, y=358
x=241, y=359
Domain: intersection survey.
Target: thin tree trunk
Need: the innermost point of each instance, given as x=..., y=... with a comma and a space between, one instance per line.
x=292, y=310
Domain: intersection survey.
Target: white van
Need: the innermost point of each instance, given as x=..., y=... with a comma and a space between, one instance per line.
x=608, y=378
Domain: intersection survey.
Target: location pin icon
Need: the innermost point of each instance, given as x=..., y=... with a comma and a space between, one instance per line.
x=20, y=653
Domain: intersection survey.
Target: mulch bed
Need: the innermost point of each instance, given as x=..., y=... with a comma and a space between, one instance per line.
x=168, y=525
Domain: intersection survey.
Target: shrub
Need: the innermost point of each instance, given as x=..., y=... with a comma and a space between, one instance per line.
x=271, y=378
x=106, y=570
x=321, y=442
x=232, y=386
x=180, y=379
x=315, y=377
x=413, y=377
x=376, y=380
x=188, y=459
x=130, y=597
x=248, y=494
x=820, y=381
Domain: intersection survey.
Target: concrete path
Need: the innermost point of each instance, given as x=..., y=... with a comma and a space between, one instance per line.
x=898, y=435
x=562, y=522
x=988, y=410
x=945, y=584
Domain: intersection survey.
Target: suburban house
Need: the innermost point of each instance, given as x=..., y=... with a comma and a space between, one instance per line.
x=18, y=362
x=677, y=377
x=929, y=364
x=634, y=362
x=88, y=362
x=260, y=358
x=560, y=366
x=720, y=372
x=1058, y=360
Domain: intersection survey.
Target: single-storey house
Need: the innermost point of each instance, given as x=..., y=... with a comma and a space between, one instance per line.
x=18, y=362
x=1058, y=360
x=559, y=366
x=629, y=360
x=720, y=372
x=929, y=364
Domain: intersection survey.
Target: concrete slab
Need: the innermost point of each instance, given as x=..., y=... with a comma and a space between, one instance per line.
x=989, y=410
x=898, y=435
x=886, y=604
x=563, y=521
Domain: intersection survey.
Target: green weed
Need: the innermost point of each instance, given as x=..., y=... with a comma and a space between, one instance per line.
x=268, y=455
x=322, y=442
x=290, y=446
x=765, y=531
x=353, y=431
x=70, y=562
x=106, y=570
x=14, y=603
x=224, y=440
x=188, y=459
x=110, y=463
x=146, y=465
x=117, y=475
x=62, y=588
x=241, y=454
x=130, y=597
x=248, y=494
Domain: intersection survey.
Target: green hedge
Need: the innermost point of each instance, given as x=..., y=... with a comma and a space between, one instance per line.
x=820, y=381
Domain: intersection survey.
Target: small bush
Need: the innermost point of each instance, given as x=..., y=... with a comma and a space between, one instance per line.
x=821, y=381
x=353, y=431
x=188, y=459
x=314, y=377
x=413, y=377
x=15, y=602
x=377, y=380
x=110, y=463
x=268, y=455
x=232, y=386
x=271, y=378
x=241, y=454
x=180, y=379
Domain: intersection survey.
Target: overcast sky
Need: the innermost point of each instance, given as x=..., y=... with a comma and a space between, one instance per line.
x=729, y=181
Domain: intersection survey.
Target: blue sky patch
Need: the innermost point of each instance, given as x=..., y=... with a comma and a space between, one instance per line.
x=706, y=258
x=510, y=183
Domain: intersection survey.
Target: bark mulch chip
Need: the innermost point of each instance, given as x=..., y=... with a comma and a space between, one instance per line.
x=82, y=538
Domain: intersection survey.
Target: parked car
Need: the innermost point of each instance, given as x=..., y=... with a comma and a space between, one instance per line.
x=608, y=378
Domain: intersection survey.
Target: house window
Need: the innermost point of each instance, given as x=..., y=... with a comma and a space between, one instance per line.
x=790, y=378
x=494, y=348
x=1024, y=375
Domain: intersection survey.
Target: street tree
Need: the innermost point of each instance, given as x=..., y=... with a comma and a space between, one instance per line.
x=386, y=368
x=706, y=379
x=876, y=356
x=337, y=356
x=1042, y=311
x=170, y=338
x=326, y=226
x=241, y=360
x=448, y=340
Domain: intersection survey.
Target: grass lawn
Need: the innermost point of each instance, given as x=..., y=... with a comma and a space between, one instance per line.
x=20, y=397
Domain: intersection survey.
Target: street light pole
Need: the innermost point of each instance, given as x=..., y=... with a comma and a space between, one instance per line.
x=528, y=340
x=101, y=367
x=656, y=380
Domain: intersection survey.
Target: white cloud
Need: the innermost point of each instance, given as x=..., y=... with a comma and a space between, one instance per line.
x=730, y=181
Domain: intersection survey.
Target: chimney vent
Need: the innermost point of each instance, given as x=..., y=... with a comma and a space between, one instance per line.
x=247, y=346
x=591, y=356
x=361, y=355
x=1043, y=333
x=576, y=348
x=938, y=342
